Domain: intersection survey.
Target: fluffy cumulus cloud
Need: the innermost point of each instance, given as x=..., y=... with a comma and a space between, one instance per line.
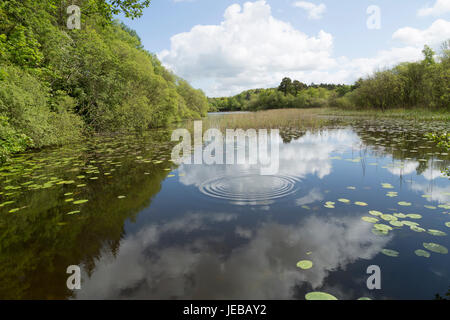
x=315, y=11
x=252, y=49
x=249, y=48
x=440, y=7
x=434, y=35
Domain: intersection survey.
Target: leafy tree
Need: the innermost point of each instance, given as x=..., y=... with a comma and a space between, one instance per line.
x=285, y=86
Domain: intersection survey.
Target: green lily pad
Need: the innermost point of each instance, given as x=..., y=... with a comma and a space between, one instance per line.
x=344, y=200
x=417, y=229
x=305, y=264
x=383, y=227
x=375, y=213
x=434, y=247
x=390, y=253
x=319, y=296
x=370, y=219
x=362, y=204
x=396, y=223
x=422, y=253
x=414, y=216
x=73, y=212
x=364, y=298
x=437, y=233
x=388, y=217
x=404, y=204
x=80, y=201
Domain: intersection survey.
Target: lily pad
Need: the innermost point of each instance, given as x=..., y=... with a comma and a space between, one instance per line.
x=437, y=233
x=390, y=253
x=434, y=247
x=422, y=253
x=344, y=200
x=370, y=219
x=317, y=295
x=80, y=201
x=417, y=229
x=362, y=204
x=396, y=223
x=305, y=264
x=404, y=204
x=383, y=227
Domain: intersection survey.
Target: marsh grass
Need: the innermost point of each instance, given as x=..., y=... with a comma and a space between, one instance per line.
x=270, y=119
x=407, y=114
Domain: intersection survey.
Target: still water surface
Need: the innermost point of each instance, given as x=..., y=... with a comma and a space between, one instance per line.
x=153, y=230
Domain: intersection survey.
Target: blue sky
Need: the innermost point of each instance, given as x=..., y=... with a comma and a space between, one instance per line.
x=256, y=43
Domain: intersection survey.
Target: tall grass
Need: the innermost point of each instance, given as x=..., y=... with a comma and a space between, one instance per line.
x=407, y=114
x=269, y=119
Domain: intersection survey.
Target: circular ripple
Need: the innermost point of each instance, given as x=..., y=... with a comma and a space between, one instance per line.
x=250, y=189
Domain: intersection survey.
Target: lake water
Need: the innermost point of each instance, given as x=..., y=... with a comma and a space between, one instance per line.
x=153, y=230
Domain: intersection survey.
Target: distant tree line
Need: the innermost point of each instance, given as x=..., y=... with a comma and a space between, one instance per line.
x=422, y=84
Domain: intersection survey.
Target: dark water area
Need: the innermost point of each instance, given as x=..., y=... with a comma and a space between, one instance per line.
x=348, y=195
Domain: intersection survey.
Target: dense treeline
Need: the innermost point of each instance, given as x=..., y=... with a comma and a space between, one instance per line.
x=422, y=84
x=57, y=84
x=287, y=95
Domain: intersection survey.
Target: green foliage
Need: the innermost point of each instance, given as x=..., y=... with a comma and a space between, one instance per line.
x=263, y=99
x=56, y=83
x=419, y=84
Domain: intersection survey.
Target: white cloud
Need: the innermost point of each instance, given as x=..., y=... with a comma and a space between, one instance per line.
x=315, y=11
x=263, y=267
x=434, y=35
x=252, y=49
x=439, y=8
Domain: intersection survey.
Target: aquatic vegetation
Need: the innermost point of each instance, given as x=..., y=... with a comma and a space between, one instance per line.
x=404, y=204
x=329, y=204
x=414, y=216
x=319, y=296
x=305, y=264
x=80, y=201
x=360, y=203
x=422, y=253
x=434, y=247
x=436, y=233
x=370, y=219
x=390, y=253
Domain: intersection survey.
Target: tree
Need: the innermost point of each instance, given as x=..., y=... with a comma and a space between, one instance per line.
x=429, y=55
x=285, y=86
x=298, y=86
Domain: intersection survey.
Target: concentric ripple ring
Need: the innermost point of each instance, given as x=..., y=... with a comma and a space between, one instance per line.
x=249, y=189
